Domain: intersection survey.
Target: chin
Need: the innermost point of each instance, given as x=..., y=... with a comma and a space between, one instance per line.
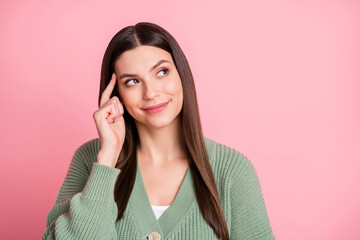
x=159, y=123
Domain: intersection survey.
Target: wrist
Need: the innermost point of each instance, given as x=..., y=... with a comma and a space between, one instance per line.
x=107, y=158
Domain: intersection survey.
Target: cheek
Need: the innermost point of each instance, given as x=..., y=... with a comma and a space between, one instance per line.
x=173, y=87
x=127, y=97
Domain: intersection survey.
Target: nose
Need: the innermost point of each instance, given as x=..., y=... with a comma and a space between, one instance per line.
x=152, y=90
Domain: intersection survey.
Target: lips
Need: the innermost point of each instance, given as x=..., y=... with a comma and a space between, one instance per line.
x=156, y=106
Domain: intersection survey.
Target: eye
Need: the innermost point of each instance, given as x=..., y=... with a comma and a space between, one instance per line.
x=164, y=71
x=126, y=83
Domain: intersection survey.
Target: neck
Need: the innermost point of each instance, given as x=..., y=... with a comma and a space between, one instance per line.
x=159, y=146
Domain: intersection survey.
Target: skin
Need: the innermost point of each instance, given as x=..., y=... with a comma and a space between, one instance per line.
x=110, y=125
x=161, y=150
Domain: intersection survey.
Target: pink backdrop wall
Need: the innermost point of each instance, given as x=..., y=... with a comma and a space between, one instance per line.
x=278, y=80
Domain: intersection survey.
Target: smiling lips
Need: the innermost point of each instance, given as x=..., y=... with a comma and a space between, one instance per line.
x=156, y=108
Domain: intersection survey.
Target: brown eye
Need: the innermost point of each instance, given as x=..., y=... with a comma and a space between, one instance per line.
x=126, y=83
x=164, y=71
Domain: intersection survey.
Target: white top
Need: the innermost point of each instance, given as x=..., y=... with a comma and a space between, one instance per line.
x=159, y=210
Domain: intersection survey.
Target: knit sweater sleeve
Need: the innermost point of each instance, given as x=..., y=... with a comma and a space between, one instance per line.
x=249, y=219
x=85, y=206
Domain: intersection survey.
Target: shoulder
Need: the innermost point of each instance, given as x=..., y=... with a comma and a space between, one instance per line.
x=86, y=153
x=90, y=146
x=240, y=192
x=226, y=161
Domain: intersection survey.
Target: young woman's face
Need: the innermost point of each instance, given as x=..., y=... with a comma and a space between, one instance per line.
x=147, y=76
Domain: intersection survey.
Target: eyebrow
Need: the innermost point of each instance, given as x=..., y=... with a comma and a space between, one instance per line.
x=152, y=69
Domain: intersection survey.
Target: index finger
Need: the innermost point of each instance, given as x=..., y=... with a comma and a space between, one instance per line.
x=105, y=96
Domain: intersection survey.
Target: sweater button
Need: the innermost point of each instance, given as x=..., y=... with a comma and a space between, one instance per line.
x=154, y=236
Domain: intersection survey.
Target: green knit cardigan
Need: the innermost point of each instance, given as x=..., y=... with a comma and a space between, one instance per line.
x=85, y=206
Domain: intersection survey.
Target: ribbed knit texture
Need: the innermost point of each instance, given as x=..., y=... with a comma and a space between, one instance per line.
x=85, y=206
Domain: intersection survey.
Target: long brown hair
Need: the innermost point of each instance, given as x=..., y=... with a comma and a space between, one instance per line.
x=207, y=196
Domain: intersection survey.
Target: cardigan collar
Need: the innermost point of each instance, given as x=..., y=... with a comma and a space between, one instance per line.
x=144, y=214
x=173, y=215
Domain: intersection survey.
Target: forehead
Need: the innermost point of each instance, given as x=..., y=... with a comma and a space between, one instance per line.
x=141, y=58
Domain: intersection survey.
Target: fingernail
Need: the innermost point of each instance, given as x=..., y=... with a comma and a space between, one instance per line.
x=117, y=119
x=110, y=120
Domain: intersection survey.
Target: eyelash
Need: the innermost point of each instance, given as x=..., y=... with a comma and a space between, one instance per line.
x=164, y=69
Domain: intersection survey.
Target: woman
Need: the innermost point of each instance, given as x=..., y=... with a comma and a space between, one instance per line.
x=152, y=174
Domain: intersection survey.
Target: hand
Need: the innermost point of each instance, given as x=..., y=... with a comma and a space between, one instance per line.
x=110, y=125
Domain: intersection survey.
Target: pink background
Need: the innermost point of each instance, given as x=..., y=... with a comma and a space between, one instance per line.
x=277, y=80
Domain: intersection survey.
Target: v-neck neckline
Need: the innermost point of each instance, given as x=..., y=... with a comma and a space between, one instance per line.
x=173, y=215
